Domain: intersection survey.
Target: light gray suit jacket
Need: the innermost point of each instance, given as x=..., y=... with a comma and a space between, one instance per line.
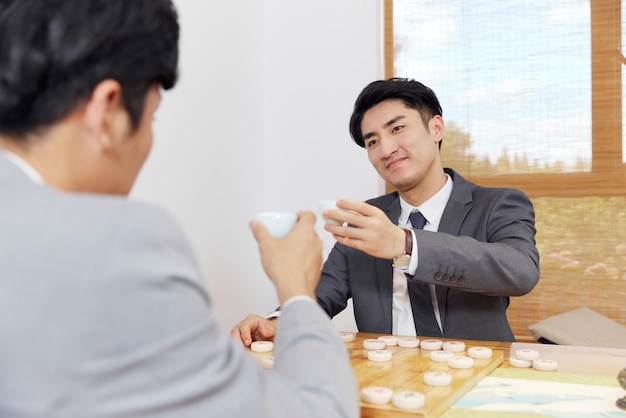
x=103, y=313
x=483, y=253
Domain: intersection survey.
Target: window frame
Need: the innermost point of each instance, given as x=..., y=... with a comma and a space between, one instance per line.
x=607, y=63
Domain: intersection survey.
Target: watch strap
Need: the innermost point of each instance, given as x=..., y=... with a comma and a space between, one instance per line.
x=408, y=241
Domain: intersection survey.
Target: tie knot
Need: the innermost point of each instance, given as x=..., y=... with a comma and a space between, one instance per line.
x=417, y=220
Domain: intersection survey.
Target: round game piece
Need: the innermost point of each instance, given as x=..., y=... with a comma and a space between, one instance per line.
x=408, y=342
x=461, y=362
x=431, y=344
x=441, y=356
x=267, y=362
x=374, y=344
x=479, y=352
x=408, y=400
x=262, y=346
x=454, y=346
x=347, y=337
x=437, y=379
x=379, y=355
x=376, y=394
x=390, y=340
x=515, y=362
x=526, y=354
x=545, y=365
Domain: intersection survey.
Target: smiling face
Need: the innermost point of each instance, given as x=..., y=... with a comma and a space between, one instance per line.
x=404, y=152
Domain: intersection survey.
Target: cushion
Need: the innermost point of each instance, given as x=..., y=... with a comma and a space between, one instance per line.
x=582, y=327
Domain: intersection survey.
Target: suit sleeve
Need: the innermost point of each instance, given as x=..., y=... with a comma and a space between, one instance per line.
x=156, y=348
x=495, y=252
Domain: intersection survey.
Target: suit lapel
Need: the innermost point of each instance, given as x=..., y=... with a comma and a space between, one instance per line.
x=384, y=270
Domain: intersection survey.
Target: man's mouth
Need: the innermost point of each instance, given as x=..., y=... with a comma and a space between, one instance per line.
x=395, y=162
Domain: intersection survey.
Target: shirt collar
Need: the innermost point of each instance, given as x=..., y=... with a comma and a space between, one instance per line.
x=28, y=169
x=432, y=209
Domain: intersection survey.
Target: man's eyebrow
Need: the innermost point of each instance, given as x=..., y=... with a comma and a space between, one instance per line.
x=386, y=125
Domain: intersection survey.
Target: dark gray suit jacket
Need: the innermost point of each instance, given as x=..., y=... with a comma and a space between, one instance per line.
x=483, y=253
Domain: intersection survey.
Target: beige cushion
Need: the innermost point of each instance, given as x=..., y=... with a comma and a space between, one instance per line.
x=582, y=327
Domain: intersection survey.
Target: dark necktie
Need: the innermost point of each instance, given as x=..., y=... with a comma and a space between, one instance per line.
x=419, y=294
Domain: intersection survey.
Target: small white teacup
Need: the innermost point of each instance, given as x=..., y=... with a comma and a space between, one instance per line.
x=332, y=205
x=278, y=223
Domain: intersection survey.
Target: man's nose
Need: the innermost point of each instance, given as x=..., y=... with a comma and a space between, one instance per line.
x=388, y=147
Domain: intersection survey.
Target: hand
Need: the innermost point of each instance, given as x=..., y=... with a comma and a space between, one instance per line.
x=369, y=230
x=294, y=262
x=254, y=328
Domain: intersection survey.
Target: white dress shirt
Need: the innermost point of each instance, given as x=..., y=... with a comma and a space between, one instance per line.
x=24, y=166
x=432, y=209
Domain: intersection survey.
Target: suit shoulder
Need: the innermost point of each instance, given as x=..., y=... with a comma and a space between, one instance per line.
x=488, y=193
x=383, y=200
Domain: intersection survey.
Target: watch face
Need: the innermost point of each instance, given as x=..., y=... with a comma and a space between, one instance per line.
x=402, y=262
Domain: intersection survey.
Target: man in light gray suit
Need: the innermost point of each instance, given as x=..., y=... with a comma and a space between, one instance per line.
x=103, y=310
x=452, y=274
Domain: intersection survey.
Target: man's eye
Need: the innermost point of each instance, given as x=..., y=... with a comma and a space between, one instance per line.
x=397, y=128
x=370, y=144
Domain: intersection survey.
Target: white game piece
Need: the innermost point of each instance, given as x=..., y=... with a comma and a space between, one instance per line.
x=438, y=379
x=347, y=337
x=461, y=362
x=408, y=342
x=379, y=355
x=376, y=394
x=479, y=352
x=526, y=354
x=545, y=365
x=267, y=362
x=390, y=340
x=408, y=400
x=453, y=346
x=523, y=364
x=441, y=356
x=262, y=346
x=431, y=344
x=374, y=344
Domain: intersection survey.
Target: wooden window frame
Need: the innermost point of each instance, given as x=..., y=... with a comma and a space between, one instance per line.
x=607, y=168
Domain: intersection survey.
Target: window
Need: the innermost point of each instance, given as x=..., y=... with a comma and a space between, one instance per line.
x=532, y=98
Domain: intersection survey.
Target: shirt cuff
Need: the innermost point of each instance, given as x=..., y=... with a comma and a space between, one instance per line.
x=413, y=264
x=288, y=302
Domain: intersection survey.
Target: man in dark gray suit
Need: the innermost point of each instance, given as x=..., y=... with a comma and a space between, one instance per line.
x=452, y=274
x=103, y=309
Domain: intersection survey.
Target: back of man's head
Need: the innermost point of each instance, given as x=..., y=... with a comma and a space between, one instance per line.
x=54, y=52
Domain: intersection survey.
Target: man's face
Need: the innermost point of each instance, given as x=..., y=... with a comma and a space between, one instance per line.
x=402, y=150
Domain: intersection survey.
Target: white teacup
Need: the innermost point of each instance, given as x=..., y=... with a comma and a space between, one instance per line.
x=332, y=205
x=278, y=223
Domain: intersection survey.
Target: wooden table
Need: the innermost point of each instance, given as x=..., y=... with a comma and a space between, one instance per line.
x=405, y=371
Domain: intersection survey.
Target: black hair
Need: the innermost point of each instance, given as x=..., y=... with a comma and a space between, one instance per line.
x=53, y=53
x=413, y=94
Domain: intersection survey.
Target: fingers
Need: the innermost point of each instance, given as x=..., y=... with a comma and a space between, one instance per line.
x=259, y=231
x=266, y=330
x=243, y=331
x=306, y=219
x=353, y=213
x=357, y=206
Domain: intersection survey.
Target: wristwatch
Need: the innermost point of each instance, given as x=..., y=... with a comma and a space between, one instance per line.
x=402, y=262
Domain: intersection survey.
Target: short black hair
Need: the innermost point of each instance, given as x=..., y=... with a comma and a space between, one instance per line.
x=413, y=94
x=53, y=53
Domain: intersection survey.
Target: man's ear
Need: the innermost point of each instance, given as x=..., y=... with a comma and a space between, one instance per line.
x=105, y=116
x=437, y=127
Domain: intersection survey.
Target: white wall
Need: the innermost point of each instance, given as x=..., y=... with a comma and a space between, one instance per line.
x=259, y=122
